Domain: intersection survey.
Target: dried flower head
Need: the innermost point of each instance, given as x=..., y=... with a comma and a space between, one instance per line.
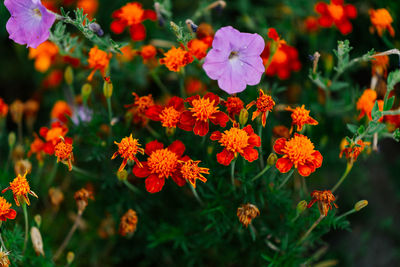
x=264, y=104
x=128, y=223
x=37, y=241
x=81, y=197
x=128, y=149
x=17, y=110
x=56, y=196
x=352, y=151
x=246, y=213
x=20, y=188
x=22, y=166
x=324, y=199
x=4, y=261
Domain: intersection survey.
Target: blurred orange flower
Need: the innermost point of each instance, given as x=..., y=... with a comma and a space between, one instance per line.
x=366, y=103
x=336, y=12
x=98, y=60
x=128, y=223
x=176, y=58
x=61, y=111
x=3, y=108
x=44, y=55
x=381, y=20
x=5, y=210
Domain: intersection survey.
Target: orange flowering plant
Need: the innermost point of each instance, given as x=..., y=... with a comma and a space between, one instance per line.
x=269, y=134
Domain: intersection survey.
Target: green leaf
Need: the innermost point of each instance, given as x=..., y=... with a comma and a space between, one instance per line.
x=336, y=86
x=388, y=103
x=352, y=128
x=375, y=113
x=361, y=129
x=393, y=79
x=396, y=135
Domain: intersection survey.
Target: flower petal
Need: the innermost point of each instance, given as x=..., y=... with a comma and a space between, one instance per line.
x=177, y=147
x=220, y=118
x=138, y=32
x=225, y=157
x=141, y=172
x=284, y=165
x=280, y=145
x=201, y=128
x=154, y=184
x=250, y=154
x=153, y=146
x=306, y=169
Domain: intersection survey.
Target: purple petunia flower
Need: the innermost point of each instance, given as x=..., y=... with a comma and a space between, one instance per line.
x=234, y=59
x=30, y=22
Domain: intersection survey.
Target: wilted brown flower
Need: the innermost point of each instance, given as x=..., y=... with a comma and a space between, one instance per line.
x=246, y=213
x=128, y=223
x=56, y=196
x=22, y=166
x=17, y=110
x=4, y=261
x=81, y=197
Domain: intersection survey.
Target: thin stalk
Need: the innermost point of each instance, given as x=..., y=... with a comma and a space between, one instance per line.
x=196, y=195
x=152, y=131
x=346, y=214
x=68, y=237
x=260, y=173
x=157, y=80
x=260, y=156
x=311, y=229
x=286, y=179
x=346, y=172
x=26, y=226
x=131, y=187
x=52, y=174
x=83, y=172
x=20, y=132
x=2, y=243
x=182, y=83
x=233, y=173
x=109, y=108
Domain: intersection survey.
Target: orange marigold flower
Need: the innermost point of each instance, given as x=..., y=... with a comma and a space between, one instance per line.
x=246, y=213
x=139, y=107
x=202, y=110
x=89, y=7
x=352, y=151
x=161, y=164
x=169, y=115
x=44, y=55
x=176, y=58
x=191, y=171
x=300, y=117
x=5, y=211
x=264, y=104
x=132, y=15
x=98, y=60
x=233, y=105
x=61, y=111
x=3, y=108
x=128, y=53
x=63, y=151
x=52, y=135
x=198, y=48
x=148, y=52
x=336, y=13
x=128, y=223
x=20, y=188
x=366, y=103
x=298, y=151
x=81, y=198
x=194, y=86
x=237, y=141
x=37, y=147
x=380, y=65
x=128, y=149
x=324, y=199
x=381, y=20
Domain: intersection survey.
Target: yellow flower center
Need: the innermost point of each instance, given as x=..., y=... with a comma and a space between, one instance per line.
x=129, y=147
x=20, y=186
x=163, y=162
x=265, y=103
x=299, y=150
x=170, y=117
x=235, y=140
x=36, y=13
x=63, y=150
x=203, y=109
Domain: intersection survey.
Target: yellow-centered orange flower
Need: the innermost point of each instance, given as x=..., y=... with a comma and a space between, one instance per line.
x=324, y=199
x=20, y=188
x=128, y=223
x=191, y=171
x=264, y=104
x=246, y=213
x=176, y=58
x=98, y=60
x=298, y=151
x=300, y=117
x=63, y=151
x=5, y=211
x=127, y=149
x=381, y=20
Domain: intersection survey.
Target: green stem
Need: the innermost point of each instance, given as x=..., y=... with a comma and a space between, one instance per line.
x=131, y=187
x=196, y=195
x=391, y=112
x=286, y=179
x=2, y=243
x=260, y=173
x=83, y=172
x=260, y=152
x=157, y=80
x=26, y=225
x=152, y=132
x=311, y=229
x=182, y=83
x=345, y=214
x=233, y=173
x=52, y=174
x=346, y=172
x=109, y=108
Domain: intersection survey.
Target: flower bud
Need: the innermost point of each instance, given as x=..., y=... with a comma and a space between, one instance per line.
x=17, y=111
x=243, y=116
x=38, y=219
x=95, y=27
x=360, y=205
x=70, y=257
x=69, y=75
x=37, y=241
x=122, y=175
x=193, y=27
x=272, y=158
x=301, y=206
x=108, y=89
x=86, y=91
x=246, y=213
x=11, y=139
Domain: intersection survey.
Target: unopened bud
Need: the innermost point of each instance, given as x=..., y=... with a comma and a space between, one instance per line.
x=174, y=27
x=11, y=139
x=38, y=219
x=301, y=206
x=243, y=116
x=95, y=27
x=69, y=75
x=37, y=241
x=108, y=89
x=70, y=257
x=360, y=205
x=272, y=158
x=86, y=91
x=193, y=27
x=122, y=175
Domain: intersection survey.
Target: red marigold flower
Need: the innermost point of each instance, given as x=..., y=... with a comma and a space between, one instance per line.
x=298, y=151
x=128, y=223
x=237, y=141
x=246, y=213
x=176, y=58
x=324, y=199
x=300, y=117
x=63, y=151
x=203, y=110
x=139, y=107
x=198, y=48
x=20, y=188
x=3, y=108
x=191, y=171
x=52, y=135
x=273, y=34
x=132, y=15
x=233, y=105
x=381, y=20
x=311, y=24
x=61, y=111
x=98, y=60
x=161, y=164
x=53, y=79
x=169, y=116
x=128, y=149
x=352, y=151
x=336, y=13
x=194, y=86
x=5, y=211
x=264, y=104
x=89, y=7
x=148, y=52
x=37, y=147
x=366, y=103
